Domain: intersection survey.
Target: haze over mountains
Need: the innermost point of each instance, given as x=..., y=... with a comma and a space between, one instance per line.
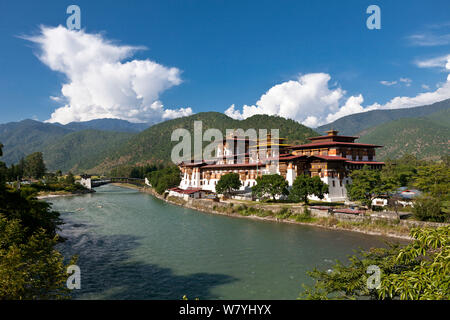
x=97, y=146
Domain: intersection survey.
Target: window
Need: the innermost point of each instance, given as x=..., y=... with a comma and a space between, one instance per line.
x=333, y=184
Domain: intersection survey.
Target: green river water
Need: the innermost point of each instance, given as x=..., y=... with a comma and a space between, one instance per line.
x=134, y=246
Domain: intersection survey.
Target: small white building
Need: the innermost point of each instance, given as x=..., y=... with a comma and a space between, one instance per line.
x=190, y=193
x=86, y=181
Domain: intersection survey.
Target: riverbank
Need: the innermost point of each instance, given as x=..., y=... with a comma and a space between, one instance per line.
x=42, y=195
x=292, y=215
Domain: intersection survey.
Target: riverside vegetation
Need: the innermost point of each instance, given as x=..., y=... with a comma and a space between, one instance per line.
x=30, y=266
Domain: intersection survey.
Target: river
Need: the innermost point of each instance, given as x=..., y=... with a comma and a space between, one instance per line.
x=132, y=245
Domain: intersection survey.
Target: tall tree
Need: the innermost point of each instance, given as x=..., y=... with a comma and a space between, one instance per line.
x=70, y=179
x=305, y=185
x=270, y=185
x=434, y=179
x=34, y=165
x=3, y=170
x=228, y=183
x=366, y=185
x=30, y=266
x=165, y=178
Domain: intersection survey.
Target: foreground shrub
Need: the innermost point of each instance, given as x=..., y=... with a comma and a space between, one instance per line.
x=428, y=208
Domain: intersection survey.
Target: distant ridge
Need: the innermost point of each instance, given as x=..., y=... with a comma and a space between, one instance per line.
x=154, y=144
x=106, y=124
x=28, y=136
x=424, y=137
x=355, y=123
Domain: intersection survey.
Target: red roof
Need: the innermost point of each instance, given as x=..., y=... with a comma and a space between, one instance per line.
x=230, y=165
x=364, y=162
x=185, y=191
x=332, y=136
x=331, y=158
x=333, y=143
x=291, y=157
x=192, y=164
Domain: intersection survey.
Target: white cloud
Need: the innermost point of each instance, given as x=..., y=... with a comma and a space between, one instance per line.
x=100, y=83
x=388, y=83
x=406, y=81
x=425, y=86
x=352, y=105
x=56, y=99
x=311, y=101
x=437, y=62
x=429, y=39
x=306, y=100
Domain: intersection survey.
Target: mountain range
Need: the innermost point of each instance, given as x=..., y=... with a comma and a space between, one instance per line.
x=97, y=146
x=355, y=123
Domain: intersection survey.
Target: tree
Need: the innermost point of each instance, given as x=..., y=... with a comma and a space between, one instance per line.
x=305, y=185
x=3, y=170
x=165, y=178
x=428, y=208
x=228, y=183
x=434, y=179
x=70, y=179
x=418, y=271
x=270, y=185
x=366, y=185
x=399, y=173
x=34, y=165
x=30, y=266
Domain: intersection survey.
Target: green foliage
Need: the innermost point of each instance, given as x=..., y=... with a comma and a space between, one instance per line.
x=165, y=178
x=34, y=165
x=33, y=214
x=284, y=213
x=427, y=208
x=30, y=266
x=244, y=210
x=418, y=271
x=3, y=170
x=429, y=177
x=400, y=172
x=427, y=276
x=228, y=183
x=434, y=179
x=270, y=185
x=366, y=185
x=70, y=178
x=305, y=185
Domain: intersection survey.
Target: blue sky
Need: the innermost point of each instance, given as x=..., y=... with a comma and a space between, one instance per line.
x=234, y=52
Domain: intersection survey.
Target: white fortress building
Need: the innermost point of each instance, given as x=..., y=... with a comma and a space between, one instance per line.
x=331, y=157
